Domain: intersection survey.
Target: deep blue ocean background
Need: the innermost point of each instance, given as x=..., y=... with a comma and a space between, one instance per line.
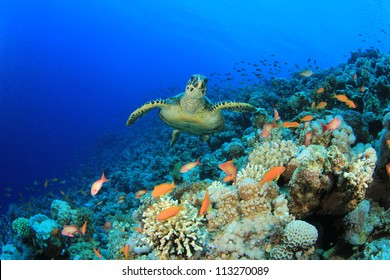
x=72, y=71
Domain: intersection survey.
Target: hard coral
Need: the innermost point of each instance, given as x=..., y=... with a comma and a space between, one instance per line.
x=22, y=227
x=180, y=236
x=298, y=240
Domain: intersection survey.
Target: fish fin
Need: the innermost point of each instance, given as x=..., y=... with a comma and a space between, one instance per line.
x=104, y=179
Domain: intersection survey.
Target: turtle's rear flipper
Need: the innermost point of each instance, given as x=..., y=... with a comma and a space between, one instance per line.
x=234, y=106
x=175, y=134
x=141, y=111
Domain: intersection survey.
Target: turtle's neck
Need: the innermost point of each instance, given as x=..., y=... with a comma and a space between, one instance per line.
x=191, y=104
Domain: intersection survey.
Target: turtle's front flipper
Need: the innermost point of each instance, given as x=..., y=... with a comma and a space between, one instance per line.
x=234, y=106
x=175, y=134
x=141, y=111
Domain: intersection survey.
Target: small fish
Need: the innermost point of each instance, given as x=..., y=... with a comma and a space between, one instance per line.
x=362, y=89
x=63, y=182
x=267, y=128
x=230, y=170
x=354, y=77
x=189, y=166
x=169, y=213
x=46, y=183
x=70, y=230
x=62, y=192
x=54, y=180
x=308, y=137
x=290, y=124
x=125, y=250
x=276, y=114
x=97, y=185
x=320, y=90
x=35, y=182
x=307, y=118
x=388, y=168
x=341, y=97
x=332, y=125
x=306, y=73
x=206, y=204
x=162, y=189
x=97, y=252
x=388, y=143
x=350, y=104
x=140, y=193
x=272, y=174
x=321, y=105
x=138, y=229
x=84, y=228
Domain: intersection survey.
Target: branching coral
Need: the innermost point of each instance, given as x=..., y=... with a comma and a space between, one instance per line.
x=180, y=236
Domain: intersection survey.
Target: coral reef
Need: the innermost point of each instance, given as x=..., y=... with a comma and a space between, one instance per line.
x=179, y=237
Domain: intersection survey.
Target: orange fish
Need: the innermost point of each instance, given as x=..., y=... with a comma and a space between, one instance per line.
x=320, y=90
x=388, y=143
x=84, y=228
x=308, y=137
x=272, y=174
x=307, y=118
x=140, y=193
x=230, y=170
x=206, y=204
x=70, y=230
x=97, y=185
x=290, y=124
x=388, y=168
x=341, y=97
x=350, y=103
x=97, y=252
x=306, y=73
x=267, y=129
x=125, y=250
x=332, y=125
x=189, y=166
x=169, y=212
x=321, y=105
x=276, y=114
x=313, y=104
x=138, y=229
x=162, y=189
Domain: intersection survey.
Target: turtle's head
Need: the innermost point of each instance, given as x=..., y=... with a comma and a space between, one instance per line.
x=196, y=87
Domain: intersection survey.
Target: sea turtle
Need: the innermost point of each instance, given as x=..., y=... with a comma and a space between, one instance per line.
x=191, y=111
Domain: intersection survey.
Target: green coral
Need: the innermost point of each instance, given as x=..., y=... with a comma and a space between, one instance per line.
x=22, y=227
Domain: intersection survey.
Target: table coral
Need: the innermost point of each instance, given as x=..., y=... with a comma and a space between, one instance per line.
x=178, y=237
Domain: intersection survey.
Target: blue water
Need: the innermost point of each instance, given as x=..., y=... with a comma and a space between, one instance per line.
x=71, y=71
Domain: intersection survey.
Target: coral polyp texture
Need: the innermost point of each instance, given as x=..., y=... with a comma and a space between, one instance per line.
x=308, y=178
x=179, y=237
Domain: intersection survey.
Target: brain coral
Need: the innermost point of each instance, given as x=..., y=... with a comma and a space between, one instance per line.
x=298, y=240
x=180, y=236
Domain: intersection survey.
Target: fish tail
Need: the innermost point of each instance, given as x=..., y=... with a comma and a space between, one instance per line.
x=104, y=179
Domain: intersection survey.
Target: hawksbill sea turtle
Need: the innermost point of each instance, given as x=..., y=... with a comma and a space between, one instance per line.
x=191, y=111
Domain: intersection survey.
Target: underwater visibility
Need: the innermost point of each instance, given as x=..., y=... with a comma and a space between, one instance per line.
x=195, y=130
